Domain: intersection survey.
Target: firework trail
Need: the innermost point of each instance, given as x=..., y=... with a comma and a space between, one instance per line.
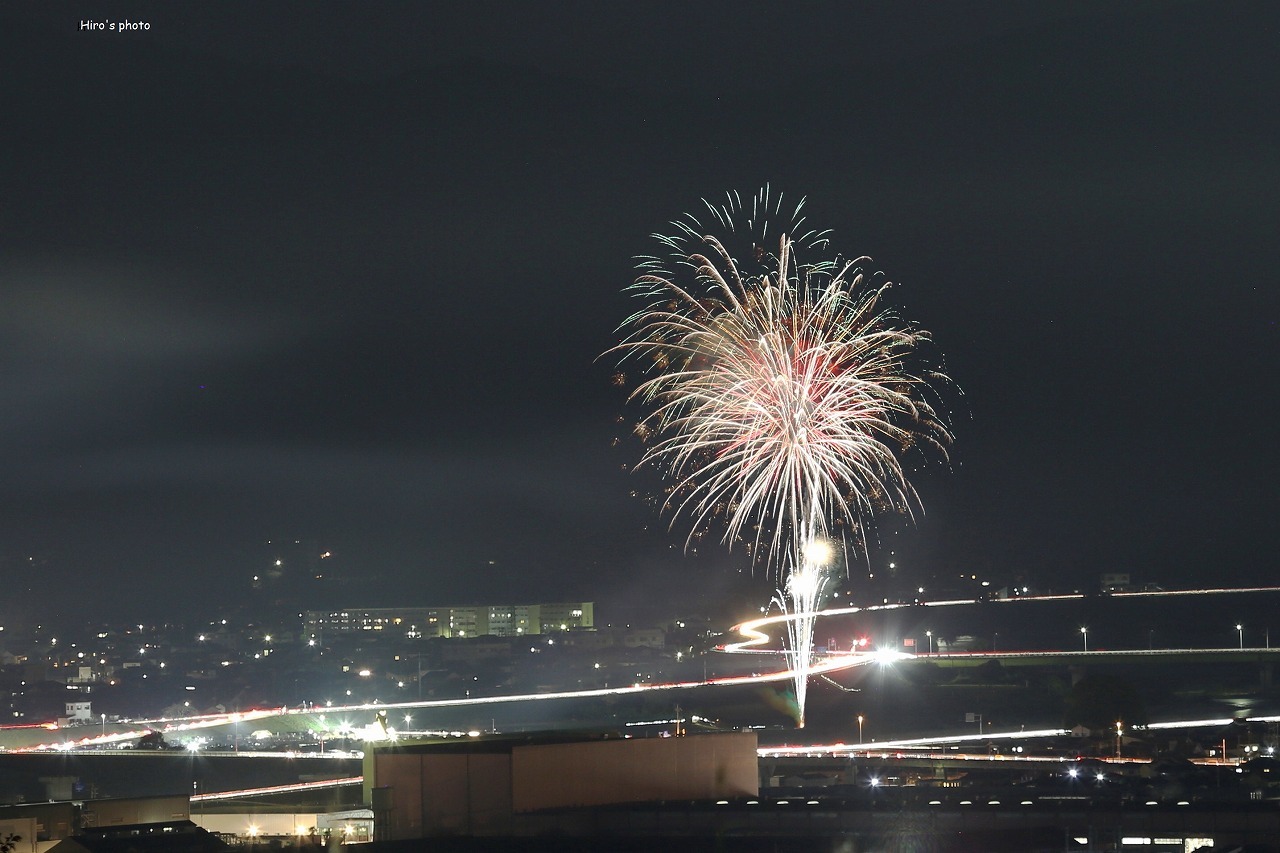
x=782, y=393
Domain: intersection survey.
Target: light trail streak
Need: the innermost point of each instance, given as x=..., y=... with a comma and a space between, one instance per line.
x=885, y=748
x=1067, y=596
x=904, y=743
x=754, y=641
x=277, y=789
x=163, y=725
x=832, y=663
x=195, y=723
x=755, y=638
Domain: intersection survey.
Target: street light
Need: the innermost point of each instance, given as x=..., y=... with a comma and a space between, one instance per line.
x=1084, y=636
x=1240, y=631
x=859, y=730
x=104, y=726
x=1119, y=729
x=929, y=634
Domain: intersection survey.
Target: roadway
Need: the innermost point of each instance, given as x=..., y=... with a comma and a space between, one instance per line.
x=760, y=636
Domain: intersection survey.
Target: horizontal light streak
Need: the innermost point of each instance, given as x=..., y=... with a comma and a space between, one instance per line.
x=278, y=789
x=753, y=642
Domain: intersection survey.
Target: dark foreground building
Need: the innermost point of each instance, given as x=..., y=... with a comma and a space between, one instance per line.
x=701, y=793
x=490, y=786
x=180, y=836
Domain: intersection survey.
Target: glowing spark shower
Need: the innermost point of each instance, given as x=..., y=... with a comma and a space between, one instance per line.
x=783, y=393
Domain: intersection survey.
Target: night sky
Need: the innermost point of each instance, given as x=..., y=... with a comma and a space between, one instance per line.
x=342, y=273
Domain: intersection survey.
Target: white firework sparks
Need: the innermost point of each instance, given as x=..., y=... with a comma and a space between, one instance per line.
x=782, y=393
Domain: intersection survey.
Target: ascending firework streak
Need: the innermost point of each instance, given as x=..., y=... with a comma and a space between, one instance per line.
x=782, y=395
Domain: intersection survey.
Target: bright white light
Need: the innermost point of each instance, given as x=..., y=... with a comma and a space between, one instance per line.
x=818, y=552
x=803, y=585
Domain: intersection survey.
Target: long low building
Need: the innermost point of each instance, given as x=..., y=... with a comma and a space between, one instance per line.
x=481, y=786
x=499, y=620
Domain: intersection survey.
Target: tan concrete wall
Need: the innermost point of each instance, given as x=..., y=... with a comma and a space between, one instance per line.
x=444, y=794
x=634, y=770
x=465, y=794
x=489, y=792
x=402, y=774
x=452, y=794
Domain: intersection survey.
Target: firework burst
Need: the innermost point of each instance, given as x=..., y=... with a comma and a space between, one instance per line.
x=782, y=393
